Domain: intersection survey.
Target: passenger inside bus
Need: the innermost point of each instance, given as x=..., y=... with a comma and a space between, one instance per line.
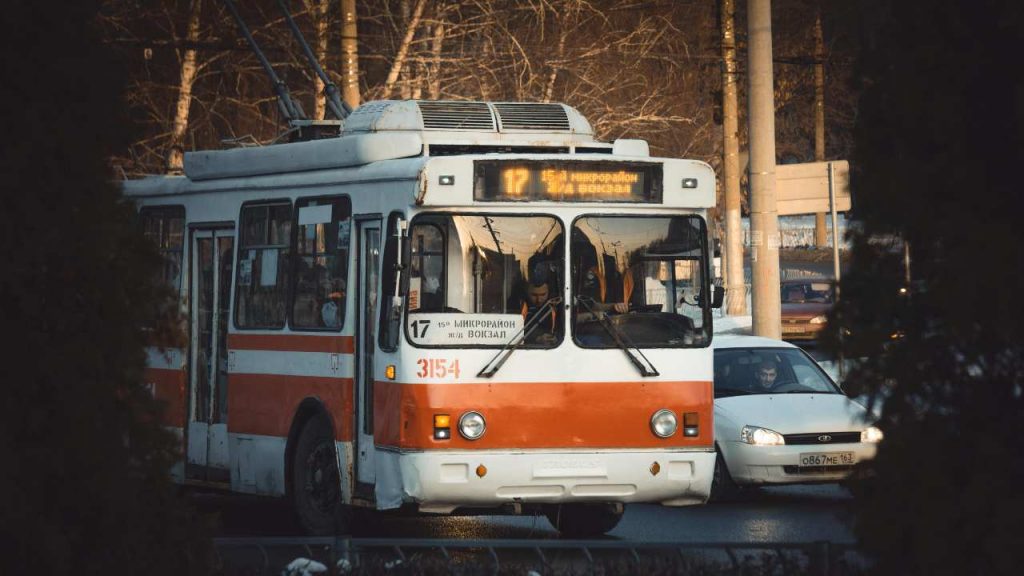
x=332, y=297
x=592, y=283
x=535, y=311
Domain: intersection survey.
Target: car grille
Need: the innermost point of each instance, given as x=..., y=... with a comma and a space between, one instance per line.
x=816, y=469
x=823, y=438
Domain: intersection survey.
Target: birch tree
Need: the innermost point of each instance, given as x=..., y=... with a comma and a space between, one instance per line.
x=349, y=54
x=176, y=146
x=318, y=14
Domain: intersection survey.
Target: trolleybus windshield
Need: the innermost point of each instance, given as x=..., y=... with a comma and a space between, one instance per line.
x=641, y=280
x=476, y=280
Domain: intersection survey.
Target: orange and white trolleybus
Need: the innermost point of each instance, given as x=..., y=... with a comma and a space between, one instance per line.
x=450, y=308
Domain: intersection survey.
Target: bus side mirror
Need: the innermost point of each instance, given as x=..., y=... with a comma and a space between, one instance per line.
x=717, y=296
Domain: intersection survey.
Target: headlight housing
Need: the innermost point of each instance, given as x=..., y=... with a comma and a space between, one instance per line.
x=761, y=436
x=872, y=435
x=472, y=425
x=664, y=423
x=819, y=319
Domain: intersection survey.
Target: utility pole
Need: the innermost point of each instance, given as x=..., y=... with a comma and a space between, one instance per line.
x=735, y=283
x=764, y=216
x=349, y=54
x=820, y=234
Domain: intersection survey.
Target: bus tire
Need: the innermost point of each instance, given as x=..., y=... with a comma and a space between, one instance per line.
x=316, y=482
x=723, y=487
x=583, y=520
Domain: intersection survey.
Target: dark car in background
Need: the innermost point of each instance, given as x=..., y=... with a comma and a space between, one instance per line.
x=805, y=306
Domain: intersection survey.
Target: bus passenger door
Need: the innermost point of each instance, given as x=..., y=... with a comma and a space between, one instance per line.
x=212, y=256
x=368, y=264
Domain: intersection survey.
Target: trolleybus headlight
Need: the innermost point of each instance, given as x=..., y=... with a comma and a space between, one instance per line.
x=472, y=425
x=664, y=423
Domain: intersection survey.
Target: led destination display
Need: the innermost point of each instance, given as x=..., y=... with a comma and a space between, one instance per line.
x=567, y=181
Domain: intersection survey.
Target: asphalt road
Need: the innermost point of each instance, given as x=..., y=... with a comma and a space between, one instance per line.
x=784, y=514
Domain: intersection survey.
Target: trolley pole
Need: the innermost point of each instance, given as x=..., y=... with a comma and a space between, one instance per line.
x=764, y=215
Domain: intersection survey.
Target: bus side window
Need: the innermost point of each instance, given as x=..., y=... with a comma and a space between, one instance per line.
x=165, y=226
x=321, y=259
x=261, y=288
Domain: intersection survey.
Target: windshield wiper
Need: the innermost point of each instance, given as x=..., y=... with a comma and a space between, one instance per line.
x=518, y=339
x=620, y=340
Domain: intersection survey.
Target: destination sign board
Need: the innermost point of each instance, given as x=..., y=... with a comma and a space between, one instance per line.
x=567, y=181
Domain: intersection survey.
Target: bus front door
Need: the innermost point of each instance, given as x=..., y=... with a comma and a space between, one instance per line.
x=369, y=279
x=212, y=254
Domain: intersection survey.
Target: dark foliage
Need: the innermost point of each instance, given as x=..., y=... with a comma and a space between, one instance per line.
x=85, y=486
x=938, y=146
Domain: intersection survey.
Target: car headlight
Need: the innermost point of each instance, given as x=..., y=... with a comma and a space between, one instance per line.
x=819, y=319
x=664, y=423
x=472, y=425
x=871, y=434
x=761, y=436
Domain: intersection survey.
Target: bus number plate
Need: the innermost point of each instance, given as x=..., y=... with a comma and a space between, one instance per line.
x=437, y=368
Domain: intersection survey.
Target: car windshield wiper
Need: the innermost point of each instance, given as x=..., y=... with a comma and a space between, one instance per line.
x=517, y=340
x=620, y=339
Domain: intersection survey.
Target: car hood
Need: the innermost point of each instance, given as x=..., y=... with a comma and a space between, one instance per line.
x=790, y=413
x=805, y=310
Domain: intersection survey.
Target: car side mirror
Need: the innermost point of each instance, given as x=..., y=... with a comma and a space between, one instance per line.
x=717, y=296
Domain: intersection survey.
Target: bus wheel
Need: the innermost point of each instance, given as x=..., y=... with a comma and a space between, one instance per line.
x=583, y=520
x=316, y=483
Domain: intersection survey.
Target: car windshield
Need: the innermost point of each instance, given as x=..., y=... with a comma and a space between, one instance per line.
x=639, y=282
x=806, y=292
x=744, y=371
x=477, y=280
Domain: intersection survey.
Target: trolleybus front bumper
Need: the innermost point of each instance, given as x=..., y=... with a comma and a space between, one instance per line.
x=443, y=481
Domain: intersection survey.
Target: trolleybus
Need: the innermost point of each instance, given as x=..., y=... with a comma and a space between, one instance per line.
x=451, y=308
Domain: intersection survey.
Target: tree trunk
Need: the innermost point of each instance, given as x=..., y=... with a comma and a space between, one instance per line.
x=550, y=90
x=403, y=49
x=349, y=54
x=735, y=283
x=176, y=152
x=436, y=46
x=318, y=13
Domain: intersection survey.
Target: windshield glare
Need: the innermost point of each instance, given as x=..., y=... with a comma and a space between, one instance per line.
x=745, y=371
x=640, y=278
x=476, y=280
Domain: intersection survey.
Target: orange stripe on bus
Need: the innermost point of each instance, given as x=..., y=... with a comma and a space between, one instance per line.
x=541, y=415
x=169, y=387
x=292, y=343
x=266, y=403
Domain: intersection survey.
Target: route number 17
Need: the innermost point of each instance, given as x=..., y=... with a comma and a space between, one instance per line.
x=419, y=328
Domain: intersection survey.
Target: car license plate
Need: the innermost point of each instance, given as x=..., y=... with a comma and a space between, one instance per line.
x=827, y=459
x=792, y=329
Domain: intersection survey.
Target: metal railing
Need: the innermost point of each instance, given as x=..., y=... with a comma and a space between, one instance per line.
x=266, y=556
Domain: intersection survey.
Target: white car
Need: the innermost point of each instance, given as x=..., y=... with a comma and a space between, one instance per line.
x=780, y=419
